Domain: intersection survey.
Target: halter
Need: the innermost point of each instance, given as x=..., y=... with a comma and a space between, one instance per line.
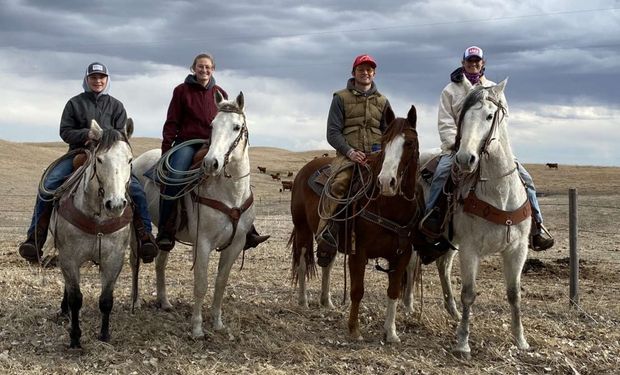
x=244, y=132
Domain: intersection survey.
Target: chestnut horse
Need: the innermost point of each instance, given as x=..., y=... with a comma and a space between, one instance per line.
x=382, y=225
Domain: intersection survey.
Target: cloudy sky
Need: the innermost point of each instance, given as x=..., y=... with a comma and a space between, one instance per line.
x=562, y=58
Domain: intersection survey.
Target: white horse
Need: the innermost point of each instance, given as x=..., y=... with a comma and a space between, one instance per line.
x=490, y=187
x=92, y=224
x=221, y=197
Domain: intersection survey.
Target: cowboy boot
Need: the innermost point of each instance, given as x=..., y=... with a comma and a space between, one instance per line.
x=327, y=245
x=253, y=239
x=167, y=226
x=147, y=248
x=538, y=241
x=431, y=224
x=31, y=249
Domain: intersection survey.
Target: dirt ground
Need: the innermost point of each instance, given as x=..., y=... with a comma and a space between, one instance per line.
x=267, y=332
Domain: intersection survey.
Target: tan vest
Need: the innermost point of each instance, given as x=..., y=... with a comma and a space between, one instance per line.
x=362, y=116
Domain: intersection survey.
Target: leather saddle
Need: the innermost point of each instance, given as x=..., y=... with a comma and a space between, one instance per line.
x=319, y=178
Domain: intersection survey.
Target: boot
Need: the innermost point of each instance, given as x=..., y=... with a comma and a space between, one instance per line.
x=147, y=248
x=253, y=239
x=167, y=227
x=31, y=248
x=540, y=242
x=327, y=245
x=431, y=224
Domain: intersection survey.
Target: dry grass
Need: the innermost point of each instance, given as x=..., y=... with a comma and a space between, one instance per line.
x=268, y=333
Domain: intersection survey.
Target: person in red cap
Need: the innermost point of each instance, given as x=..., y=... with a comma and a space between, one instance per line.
x=463, y=79
x=355, y=124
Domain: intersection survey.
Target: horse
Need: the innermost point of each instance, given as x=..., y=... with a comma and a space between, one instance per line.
x=489, y=186
x=220, y=212
x=382, y=227
x=92, y=223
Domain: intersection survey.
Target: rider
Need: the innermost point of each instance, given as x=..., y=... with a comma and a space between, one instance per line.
x=450, y=104
x=190, y=113
x=355, y=124
x=94, y=103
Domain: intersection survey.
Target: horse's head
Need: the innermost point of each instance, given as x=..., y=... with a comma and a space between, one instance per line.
x=228, y=130
x=400, y=150
x=110, y=167
x=479, y=123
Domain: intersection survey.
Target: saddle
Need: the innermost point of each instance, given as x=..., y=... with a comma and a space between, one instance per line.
x=319, y=178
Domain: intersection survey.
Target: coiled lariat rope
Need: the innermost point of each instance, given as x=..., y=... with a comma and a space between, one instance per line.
x=189, y=180
x=53, y=195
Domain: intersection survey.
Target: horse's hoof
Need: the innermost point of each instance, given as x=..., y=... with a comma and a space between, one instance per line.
x=460, y=354
x=198, y=334
x=392, y=339
x=104, y=338
x=167, y=307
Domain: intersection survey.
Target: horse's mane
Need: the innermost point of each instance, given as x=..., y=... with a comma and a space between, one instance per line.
x=109, y=138
x=472, y=98
x=394, y=128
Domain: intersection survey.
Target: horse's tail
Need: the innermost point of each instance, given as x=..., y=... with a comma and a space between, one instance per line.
x=296, y=254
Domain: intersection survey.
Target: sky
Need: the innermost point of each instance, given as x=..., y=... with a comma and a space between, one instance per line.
x=561, y=57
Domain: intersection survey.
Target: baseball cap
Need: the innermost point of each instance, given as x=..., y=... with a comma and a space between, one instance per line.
x=96, y=68
x=472, y=51
x=364, y=59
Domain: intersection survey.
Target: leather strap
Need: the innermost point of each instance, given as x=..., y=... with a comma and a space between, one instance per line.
x=473, y=205
x=233, y=213
x=88, y=224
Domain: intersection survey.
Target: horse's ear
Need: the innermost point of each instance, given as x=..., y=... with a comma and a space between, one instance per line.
x=389, y=115
x=96, y=129
x=129, y=128
x=218, y=97
x=412, y=116
x=240, y=101
x=498, y=89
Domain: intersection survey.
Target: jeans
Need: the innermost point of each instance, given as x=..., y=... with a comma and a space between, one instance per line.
x=442, y=173
x=63, y=170
x=180, y=160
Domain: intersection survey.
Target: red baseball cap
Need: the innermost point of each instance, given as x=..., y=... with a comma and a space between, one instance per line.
x=364, y=59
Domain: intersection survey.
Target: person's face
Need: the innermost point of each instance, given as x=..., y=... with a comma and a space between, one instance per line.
x=203, y=69
x=364, y=74
x=97, y=82
x=473, y=65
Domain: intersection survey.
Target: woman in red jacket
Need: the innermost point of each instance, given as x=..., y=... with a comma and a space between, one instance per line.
x=190, y=113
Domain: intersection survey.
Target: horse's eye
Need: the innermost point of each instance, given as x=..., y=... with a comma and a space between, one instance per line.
x=99, y=160
x=237, y=128
x=130, y=160
x=489, y=117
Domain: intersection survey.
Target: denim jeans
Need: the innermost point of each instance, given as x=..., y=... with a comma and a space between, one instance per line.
x=442, y=172
x=180, y=160
x=63, y=170
x=531, y=192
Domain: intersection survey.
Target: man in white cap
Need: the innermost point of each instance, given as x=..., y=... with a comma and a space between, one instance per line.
x=355, y=124
x=450, y=104
x=92, y=104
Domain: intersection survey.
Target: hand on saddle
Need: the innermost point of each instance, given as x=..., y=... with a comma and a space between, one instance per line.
x=357, y=156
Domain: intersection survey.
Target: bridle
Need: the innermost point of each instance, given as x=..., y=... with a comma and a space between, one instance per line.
x=243, y=133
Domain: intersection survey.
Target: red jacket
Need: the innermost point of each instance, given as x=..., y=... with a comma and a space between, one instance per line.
x=190, y=113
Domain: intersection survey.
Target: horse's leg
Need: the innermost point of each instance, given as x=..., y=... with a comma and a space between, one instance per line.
x=513, y=265
x=160, y=271
x=357, y=267
x=109, y=274
x=71, y=274
x=444, y=268
x=395, y=280
x=410, y=283
x=201, y=266
x=64, y=305
x=302, y=291
x=326, y=294
x=227, y=259
x=469, y=269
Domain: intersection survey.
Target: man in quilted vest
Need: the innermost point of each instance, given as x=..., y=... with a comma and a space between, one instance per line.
x=355, y=124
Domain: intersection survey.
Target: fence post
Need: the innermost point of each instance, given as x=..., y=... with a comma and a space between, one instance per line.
x=574, y=251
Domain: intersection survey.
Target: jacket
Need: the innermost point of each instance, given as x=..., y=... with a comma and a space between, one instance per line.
x=450, y=104
x=190, y=112
x=356, y=120
x=81, y=109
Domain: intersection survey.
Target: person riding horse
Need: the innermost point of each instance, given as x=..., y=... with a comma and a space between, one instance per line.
x=94, y=103
x=355, y=124
x=190, y=113
x=450, y=104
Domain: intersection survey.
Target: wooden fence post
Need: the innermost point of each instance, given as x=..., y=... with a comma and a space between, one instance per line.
x=574, y=251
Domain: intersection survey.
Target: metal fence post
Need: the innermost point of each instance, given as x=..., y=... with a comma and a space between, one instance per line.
x=574, y=251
